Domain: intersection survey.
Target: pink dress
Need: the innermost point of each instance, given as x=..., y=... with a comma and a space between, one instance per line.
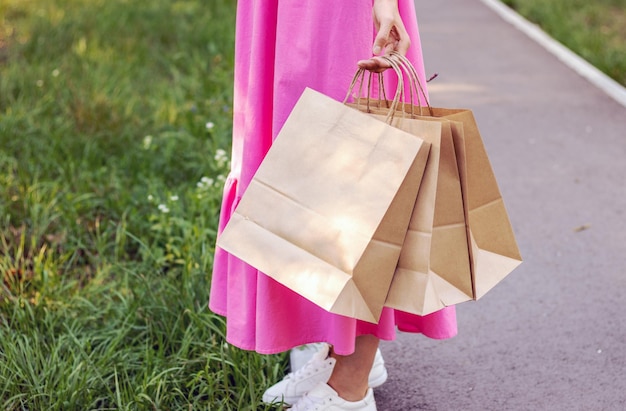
x=283, y=46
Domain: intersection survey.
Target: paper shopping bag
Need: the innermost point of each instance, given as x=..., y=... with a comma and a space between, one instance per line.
x=327, y=211
x=434, y=266
x=493, y=249
x=443, y=276
x=490, y=241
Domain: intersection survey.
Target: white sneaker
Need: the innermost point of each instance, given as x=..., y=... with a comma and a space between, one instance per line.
x=299, y=356
x=324, y=398
x=317, y=370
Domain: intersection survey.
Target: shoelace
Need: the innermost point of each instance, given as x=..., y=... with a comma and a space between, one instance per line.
x=308, y=369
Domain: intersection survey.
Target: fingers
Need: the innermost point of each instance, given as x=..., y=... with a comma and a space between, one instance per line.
x=391, y=36
x=397, y=39
x=383, y=39
x=375, y=64
x=404, y=42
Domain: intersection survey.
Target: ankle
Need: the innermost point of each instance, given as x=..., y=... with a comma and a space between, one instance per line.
x=348, y=390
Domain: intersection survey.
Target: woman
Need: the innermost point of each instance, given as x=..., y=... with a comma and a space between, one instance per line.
x=283, y=46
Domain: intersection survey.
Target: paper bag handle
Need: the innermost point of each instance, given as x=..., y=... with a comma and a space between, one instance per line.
x=359, y=77
x=402, y=66
x=416, y=84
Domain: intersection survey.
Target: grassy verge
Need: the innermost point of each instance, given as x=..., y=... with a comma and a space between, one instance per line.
x=114, y=128
x=595, y=30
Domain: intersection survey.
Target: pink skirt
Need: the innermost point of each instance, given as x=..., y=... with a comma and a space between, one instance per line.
x=281, y=48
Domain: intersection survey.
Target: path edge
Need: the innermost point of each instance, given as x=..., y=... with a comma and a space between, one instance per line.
x=581, y=66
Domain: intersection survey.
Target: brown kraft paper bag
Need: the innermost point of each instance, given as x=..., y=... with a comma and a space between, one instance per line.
x=492, y=249
x=494, y=253
x=328, y=209
x=434, y=266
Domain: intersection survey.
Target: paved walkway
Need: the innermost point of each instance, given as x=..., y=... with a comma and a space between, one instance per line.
x=552, y=336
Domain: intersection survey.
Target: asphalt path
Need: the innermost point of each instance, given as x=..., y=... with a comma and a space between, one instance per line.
x=552, y=335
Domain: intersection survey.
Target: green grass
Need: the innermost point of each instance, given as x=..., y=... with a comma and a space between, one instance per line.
x=115, y=120
x=595, y=30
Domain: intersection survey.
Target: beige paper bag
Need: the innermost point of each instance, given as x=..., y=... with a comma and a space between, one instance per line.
x=493, y=249
x=434, y=266
x=327, y=211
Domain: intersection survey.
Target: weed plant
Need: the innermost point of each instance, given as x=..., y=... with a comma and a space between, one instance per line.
x=115, y=121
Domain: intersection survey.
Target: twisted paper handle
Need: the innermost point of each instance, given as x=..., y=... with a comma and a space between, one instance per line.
x=402, y=67
x=416, y=84
x=359, y=77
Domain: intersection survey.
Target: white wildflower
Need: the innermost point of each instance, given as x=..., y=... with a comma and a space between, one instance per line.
x=210, y=125
x=174, y=198
x=204, y=183
x=150, y=197
x=147, y=142
x=220, y=155
x=221, y=158
x=55, y=73
x=163, y=208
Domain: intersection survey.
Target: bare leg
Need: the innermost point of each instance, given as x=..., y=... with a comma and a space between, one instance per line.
x=351, y=372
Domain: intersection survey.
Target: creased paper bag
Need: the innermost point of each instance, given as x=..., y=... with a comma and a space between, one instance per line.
x=434, y=266
x=327, y=211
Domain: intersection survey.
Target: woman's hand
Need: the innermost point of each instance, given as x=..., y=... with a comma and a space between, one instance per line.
x=391, y=35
